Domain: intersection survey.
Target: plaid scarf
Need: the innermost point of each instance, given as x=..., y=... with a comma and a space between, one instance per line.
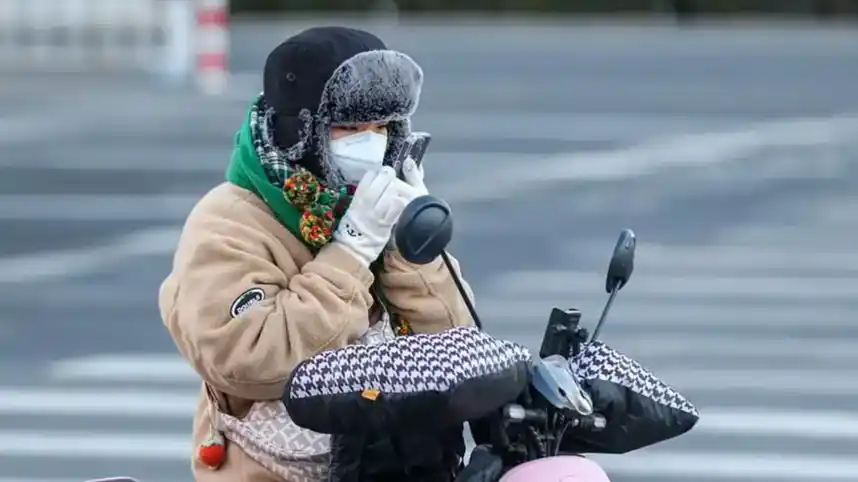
x=273, y=160
x=298, y=199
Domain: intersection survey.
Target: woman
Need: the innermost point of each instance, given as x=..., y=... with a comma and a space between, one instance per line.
x=291, y=255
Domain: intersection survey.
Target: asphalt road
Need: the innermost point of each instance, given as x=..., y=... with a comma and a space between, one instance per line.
x=732, y=154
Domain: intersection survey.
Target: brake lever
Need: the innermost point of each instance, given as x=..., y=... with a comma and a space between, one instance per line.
x=594, y=422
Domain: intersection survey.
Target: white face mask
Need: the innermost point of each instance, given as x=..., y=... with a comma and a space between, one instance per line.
x=356, y=154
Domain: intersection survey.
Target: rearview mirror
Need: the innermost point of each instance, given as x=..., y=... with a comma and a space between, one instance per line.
x=424, y=229
x=622, y=262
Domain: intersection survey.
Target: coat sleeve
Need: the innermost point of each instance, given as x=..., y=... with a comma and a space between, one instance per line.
x=425, y=295
x=250, y=354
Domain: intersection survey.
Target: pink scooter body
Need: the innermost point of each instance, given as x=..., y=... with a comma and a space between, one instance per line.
x=563, y=468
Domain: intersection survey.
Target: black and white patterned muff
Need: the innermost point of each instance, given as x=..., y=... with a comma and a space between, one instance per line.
x=268, y=435
x=420, y=382
x=640, y=409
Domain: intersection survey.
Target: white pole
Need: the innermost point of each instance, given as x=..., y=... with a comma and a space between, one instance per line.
x=212, y=45
x=179, y=45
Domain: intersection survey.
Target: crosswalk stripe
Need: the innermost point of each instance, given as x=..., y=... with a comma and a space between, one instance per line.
x=727, y=346
x=748, y=380
x=717, y=465
x=155, y=367
x=97, y=207
x=820, y=234
x=763, y=422
x=97, y=402
x=88, y=444
x=679, y=314
x=23, y=129
x=743, y=258
x=570, y=282
x=53, y=265
x=655, y=257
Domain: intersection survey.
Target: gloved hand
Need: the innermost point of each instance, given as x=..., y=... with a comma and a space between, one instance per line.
x=415, y=457
x=366, y=226
x=413, y=175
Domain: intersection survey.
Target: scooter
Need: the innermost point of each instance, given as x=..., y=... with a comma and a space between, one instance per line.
x=528, y=441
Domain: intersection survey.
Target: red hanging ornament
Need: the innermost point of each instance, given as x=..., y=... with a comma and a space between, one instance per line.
x=212, y=452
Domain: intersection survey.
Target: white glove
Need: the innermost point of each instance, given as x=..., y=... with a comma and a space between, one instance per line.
x=413, y=175
x=366, y=226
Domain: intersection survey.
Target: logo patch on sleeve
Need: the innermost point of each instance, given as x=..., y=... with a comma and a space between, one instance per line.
x=246, y=300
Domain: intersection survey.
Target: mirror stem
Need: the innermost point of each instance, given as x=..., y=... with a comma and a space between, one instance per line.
x=605, y=311
x=461, y=287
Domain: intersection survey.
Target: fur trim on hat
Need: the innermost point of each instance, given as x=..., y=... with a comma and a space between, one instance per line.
x=372, y=86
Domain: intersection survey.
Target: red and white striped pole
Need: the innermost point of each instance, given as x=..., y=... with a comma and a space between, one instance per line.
x=212, y=45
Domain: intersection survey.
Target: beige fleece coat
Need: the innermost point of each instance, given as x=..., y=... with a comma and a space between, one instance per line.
x=231, y=242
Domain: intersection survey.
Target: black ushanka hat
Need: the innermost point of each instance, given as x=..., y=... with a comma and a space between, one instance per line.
x=328, y=76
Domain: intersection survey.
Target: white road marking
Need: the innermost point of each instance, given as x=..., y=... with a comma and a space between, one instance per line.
x=98, y=402
x=702, y=149
x=94, y=445
x=720, y=465
x=679, y=313
x=43, y=266
x=96, y=207
x=151, y=368
x=567, y=283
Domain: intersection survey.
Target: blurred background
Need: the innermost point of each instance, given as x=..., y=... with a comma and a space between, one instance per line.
x=724, y=132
